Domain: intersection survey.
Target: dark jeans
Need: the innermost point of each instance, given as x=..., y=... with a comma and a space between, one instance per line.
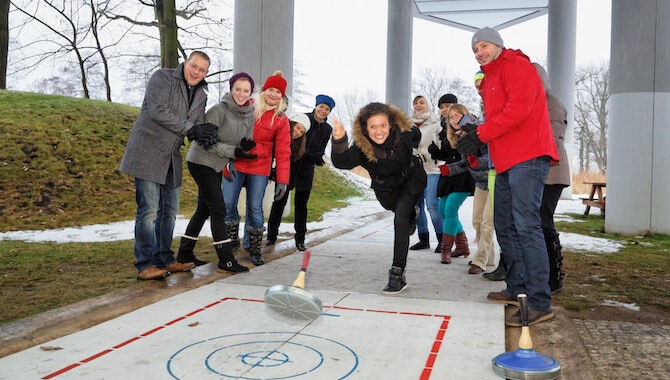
x=517, y=200
x=402, y=203
x=210, y=203
x=550, y=197
x=157, y=207
x=300, y=207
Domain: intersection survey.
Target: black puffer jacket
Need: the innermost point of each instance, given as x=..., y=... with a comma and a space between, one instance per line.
x=461, y=180
x=391, y=165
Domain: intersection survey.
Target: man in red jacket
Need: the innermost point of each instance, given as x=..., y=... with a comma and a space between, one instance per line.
x=521, y=145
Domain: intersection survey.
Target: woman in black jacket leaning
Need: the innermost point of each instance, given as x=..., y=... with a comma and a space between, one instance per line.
x=383, y=141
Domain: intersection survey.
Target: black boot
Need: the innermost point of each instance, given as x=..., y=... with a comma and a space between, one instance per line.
x=233, y=229
x=227, y=260
x=499, y=273
x=185, y=254
x=438, y=249
x=255, y=240
x=423, y=242
x=397, y=281
x=555, y=264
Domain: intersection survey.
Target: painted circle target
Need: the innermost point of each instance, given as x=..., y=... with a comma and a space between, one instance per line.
x=263, y=355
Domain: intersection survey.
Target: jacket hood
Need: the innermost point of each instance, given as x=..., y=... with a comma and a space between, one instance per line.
x=399, y=123
x=543, y=76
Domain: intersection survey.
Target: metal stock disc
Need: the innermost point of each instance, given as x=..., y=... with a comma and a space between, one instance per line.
x=293, y=303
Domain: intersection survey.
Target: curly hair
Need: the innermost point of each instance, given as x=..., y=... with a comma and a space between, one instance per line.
x=373, y=109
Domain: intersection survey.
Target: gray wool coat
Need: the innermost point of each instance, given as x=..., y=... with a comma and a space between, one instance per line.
x=158, y=133
x=235, y=122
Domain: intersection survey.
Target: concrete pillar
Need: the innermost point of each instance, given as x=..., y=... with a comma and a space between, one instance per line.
x=399, y=54
x=638, y=185
x=263, y=39
x=263, y=43
x=561, y=42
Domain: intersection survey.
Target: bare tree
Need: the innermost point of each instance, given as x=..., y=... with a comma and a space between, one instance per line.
x=432, y=83
x=351, y=103
x=591, y=115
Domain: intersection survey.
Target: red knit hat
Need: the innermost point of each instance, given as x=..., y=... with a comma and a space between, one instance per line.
x=277, y=81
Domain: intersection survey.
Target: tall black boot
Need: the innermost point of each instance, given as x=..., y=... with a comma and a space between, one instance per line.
x=499, y=273
x=255, y=240
x=233, y=229
x=185, y=253
x=397, y=281
x=227, y=260
x=555, y=263
x=423, y=242
x=438, y=249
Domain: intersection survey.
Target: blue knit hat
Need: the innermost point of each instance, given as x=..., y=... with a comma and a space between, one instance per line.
x=325, y=99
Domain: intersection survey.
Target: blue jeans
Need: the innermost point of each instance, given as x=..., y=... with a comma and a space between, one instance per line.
x=157, y=207
x=255, y=187
x=429, y=199
x=518, y=196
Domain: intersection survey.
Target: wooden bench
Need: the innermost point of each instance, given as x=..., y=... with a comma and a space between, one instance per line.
x=596, y=197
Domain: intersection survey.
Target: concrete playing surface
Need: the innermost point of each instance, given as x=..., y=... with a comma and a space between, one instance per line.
x=440, y=327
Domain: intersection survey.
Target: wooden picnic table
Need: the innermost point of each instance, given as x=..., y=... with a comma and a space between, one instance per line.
x=596, y=197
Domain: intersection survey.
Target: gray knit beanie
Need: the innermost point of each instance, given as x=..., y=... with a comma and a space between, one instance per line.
x=487, y=34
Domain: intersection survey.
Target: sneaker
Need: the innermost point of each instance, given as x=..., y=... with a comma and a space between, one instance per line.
x=502, y=297
x=396, y=282
x=534, y=316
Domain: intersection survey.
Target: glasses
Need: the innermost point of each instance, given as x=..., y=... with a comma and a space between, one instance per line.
x=198, y=69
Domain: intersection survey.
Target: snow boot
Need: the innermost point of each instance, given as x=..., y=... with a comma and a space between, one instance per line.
x=423, y=242
x=499, y=273
x=397, y=281
x=555, y=264
x=255, y=240
x=185, y=253
x=227, y=260
x=233, y=229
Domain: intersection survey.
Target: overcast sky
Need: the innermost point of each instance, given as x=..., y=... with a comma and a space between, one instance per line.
x=341, y=45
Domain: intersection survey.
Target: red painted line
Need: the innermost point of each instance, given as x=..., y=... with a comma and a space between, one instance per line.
x=60, y=372
x=172, y=322
x=152, y=331
x=425, y=374
x=99, y=354
x=131, y=340
x=194, y=312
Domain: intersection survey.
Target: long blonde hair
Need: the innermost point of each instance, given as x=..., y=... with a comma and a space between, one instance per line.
x=260, y=106
x=451, y=132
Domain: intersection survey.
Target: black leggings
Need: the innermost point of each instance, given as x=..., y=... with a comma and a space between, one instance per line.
x=210, y=203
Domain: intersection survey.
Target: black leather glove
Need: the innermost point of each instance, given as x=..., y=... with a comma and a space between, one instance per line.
x=247, y=144
x=273, y=174
x=433, y=149
x=318, y=160
x=280, y=191
x=469, y=143
x=468, y=127
x=243, y=148
x=201, y=132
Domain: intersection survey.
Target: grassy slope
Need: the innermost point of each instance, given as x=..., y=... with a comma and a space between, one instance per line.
x=59, y=168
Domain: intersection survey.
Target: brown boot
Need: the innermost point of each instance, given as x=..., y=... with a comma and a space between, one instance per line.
x=447, y=243
x=462, y=248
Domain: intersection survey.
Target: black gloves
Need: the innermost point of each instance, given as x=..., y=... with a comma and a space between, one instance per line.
x=318, y=160
x=469, y=143
x=206, y=134
x=468, y=127
x=416, y=136
x=433, y=149
x=243, y=148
